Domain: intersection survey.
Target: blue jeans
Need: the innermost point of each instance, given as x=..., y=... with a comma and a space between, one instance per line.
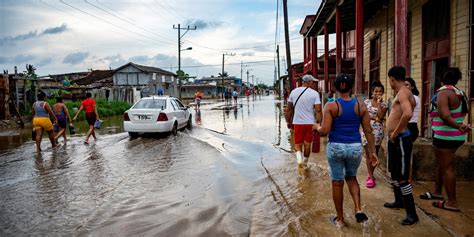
x=343, y=159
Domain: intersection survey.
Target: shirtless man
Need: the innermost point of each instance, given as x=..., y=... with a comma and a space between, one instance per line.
x=400, y=145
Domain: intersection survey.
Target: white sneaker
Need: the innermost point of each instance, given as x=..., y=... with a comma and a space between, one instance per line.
x=299, y=159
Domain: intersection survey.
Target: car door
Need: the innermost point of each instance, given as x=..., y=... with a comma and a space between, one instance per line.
x=184, y=112
x=178, y=112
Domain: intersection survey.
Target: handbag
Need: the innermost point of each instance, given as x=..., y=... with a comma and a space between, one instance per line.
x=97, y=124
x=290, y=123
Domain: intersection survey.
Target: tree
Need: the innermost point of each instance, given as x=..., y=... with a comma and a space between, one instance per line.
x=182, y=75
x=224, y=75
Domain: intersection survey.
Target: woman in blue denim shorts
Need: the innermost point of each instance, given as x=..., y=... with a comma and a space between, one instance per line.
x=342, y=119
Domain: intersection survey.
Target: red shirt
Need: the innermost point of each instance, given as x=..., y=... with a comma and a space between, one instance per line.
x=88, y=105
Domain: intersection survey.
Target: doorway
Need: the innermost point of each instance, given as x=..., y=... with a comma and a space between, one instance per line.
x=434, y=70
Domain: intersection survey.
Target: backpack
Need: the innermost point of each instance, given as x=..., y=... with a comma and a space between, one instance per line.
x=460, y=94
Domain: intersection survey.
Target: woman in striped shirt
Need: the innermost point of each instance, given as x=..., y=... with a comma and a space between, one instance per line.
x=448, y=113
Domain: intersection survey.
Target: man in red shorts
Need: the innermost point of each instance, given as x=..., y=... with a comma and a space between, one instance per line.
x=303, y=110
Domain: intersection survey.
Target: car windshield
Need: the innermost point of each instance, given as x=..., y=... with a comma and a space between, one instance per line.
x=150, y=104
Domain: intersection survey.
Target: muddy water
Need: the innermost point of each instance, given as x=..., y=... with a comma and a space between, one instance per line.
x=230, y=175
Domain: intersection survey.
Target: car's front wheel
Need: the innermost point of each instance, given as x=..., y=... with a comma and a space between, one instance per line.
x=175, y=129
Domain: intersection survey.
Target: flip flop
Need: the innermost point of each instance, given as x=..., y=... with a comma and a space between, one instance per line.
x=361, y=217
x=430, y=196
x=333, y=220
x=442, y=205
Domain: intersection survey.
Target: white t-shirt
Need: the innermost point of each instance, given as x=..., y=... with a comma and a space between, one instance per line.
x=416, y=111
x=304, y=110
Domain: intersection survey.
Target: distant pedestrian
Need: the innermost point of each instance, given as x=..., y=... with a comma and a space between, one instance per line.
x=62, y=115
x=303, y=110
x=377, y=108
x=413, y=123
x=90, y=107
x=235, y=95
x=247, y=93
x=160, y=91
x=400, y=145
x=41, y=112
x=197, y=99
x=342, y=119
x=449, y=108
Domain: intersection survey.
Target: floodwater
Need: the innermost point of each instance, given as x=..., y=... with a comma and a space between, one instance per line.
x=231, y=175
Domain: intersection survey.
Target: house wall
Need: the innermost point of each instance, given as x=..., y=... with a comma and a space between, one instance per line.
x=150, y=82
x=384, y=23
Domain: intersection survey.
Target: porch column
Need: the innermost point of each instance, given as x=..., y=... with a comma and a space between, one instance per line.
x=401, y=37
x=359, y=78
x=338, y=41
x=326, y=57
x=314, y=60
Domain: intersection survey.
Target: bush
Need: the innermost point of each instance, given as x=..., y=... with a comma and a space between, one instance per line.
x=104, y=108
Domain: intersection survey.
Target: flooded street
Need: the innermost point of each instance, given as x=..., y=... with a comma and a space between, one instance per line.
x=231, y=174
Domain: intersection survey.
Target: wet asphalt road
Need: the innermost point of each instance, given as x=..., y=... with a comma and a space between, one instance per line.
x=230, y=175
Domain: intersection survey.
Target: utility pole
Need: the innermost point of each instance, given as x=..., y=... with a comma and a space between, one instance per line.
x=179, y=50
x=287, y=43
x=278, y=72
x=222, y=75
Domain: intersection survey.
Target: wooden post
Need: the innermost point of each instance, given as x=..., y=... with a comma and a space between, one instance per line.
x=401, y=39
x=287, y=43
x=338, y=41
x=314, y=60
x=326, y=58
x=359, y=8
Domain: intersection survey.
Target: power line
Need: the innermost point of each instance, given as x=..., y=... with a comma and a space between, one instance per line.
x=241, y=48
x=110, y=23
x=126, y=20
x=81, y=18
x=217, y=65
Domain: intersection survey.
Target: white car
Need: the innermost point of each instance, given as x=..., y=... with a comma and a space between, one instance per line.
x=157, y=114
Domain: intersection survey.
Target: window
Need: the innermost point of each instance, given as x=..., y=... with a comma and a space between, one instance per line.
x=150, y=104
x=436, y=19
x=175, y=106
x=180, y=105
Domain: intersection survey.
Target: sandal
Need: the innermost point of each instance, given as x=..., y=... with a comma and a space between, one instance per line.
x=430, y=196
x=339, y=224
x=361, y=217
x=442, y=205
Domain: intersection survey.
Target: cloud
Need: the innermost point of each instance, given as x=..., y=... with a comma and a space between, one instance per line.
x=22, y=58
x=75, y=58
x=44, y=62
x=33, y=34
x=55, y=30
x=202, y=24
x=18, y=59
x=248, y=54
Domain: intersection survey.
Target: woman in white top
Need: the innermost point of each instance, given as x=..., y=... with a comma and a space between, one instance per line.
x=413, y=123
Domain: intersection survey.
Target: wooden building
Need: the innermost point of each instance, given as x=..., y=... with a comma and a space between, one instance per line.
x=424, y=36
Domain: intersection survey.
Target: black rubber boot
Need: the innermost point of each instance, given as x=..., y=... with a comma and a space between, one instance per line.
x=398, y=203
x=410, y=208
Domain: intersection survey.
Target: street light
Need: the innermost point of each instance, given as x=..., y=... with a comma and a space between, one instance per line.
x=179, y=67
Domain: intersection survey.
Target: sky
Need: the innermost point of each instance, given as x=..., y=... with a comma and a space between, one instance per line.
x=63, y=36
